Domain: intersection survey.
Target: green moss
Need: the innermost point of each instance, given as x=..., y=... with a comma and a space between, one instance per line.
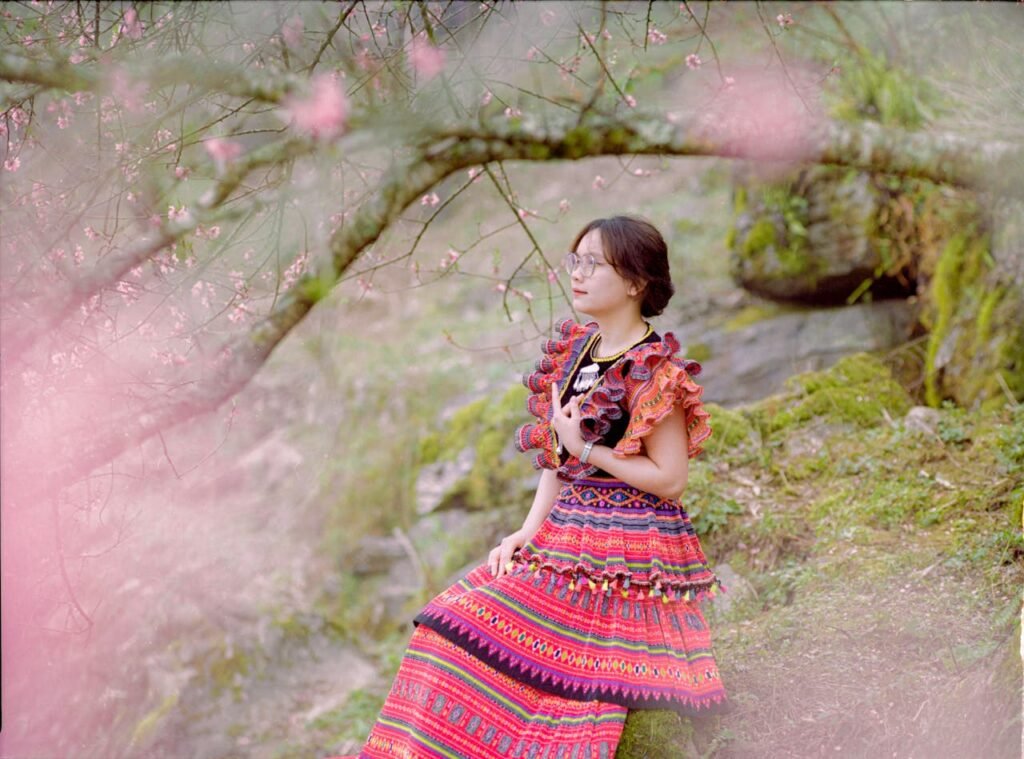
x=698, y=351
x=858, y=389
x=954, y=285
x=488, y=426
x=579, y=142
x=729, y=428
x=760, y=236
x=654, y=734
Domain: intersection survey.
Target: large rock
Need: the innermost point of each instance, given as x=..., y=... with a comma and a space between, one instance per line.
x=829, y=234
x=749, y=363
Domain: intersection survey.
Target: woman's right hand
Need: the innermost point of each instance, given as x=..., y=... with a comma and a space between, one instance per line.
x=501, y=554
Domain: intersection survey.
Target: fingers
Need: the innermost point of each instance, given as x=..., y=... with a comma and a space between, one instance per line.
x=492, y=560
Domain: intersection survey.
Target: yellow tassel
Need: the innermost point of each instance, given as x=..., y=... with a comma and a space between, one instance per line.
x=572, y=585
x=533, y=567
x=604, y=585
x=592, y=584
x=624, y=593
x=664, y=598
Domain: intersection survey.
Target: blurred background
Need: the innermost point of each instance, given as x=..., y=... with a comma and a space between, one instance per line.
x=233, y=572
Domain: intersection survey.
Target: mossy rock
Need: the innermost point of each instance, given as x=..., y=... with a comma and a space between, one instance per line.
x=858, y=390
x=975, y=317
x=488, y=425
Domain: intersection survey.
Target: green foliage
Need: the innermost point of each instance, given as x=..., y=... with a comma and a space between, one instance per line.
x=871, y=88
x=708, y=508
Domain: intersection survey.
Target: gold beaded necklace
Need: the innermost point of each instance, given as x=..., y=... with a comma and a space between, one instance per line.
x=587, y=379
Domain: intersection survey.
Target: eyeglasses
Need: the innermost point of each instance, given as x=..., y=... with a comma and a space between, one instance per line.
x=587, y=263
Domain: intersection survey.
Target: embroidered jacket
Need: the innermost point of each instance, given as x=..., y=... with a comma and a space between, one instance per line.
x=645, y=384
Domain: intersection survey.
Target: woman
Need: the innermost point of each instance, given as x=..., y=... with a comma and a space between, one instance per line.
x=591, y=608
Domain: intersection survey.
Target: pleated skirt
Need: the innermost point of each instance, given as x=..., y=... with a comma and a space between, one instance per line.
x=599, y=615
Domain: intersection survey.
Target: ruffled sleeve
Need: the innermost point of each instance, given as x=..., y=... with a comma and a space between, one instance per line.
x=560, y=356
x=655, y=383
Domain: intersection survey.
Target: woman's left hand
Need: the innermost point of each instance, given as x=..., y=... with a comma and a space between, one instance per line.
x=566, y=422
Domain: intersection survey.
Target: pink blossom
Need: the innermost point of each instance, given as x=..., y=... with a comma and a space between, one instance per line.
x=563, y=205
x=430, y=200
x=125, y=92
x=425, y=58
x=656, y=37
x=512, y=112
x=292, y=31
x=323, y=113
x=532, y=54
x=599, y=182
x=693, y=61
x=631, y=101
x=131, y=27
x=181, y=172
x=486, y=99
x=474, y=173
x=12, y=164
x=526, y=295
x=222, y=151
x=784, y=20
x=547, y=17
x=500, y=287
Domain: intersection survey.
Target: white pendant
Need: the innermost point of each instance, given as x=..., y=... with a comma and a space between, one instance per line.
x=586, y=378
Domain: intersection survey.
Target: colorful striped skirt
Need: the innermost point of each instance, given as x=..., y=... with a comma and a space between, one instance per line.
x=600, y=614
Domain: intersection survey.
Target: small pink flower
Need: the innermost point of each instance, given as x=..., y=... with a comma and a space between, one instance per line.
x=532, y=54
x=656, y=37
x=526, y=295
x=453, y=255
x=181, y=172
x=500, y=287
x=563, y=205
x=693, y=61
x=131, y=27
x=125, y=92
x=430, y=200
x=784, y=20
x=512, y=112
x=323, y=113
x=222, y=151
x=213, y=233
x=729, y=82
x=474, y=173
x=291, y=31
x=631, y=101
x=12, y=164
x=599, y=182
x=486, y=99
x=425, y=58
x=547, y=17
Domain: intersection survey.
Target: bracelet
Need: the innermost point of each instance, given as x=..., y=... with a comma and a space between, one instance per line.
x=586, y=451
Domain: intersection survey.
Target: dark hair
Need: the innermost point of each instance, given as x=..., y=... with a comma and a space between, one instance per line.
x=637, y=252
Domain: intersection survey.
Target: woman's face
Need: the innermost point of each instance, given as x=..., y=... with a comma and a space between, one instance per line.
x=604, y=291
